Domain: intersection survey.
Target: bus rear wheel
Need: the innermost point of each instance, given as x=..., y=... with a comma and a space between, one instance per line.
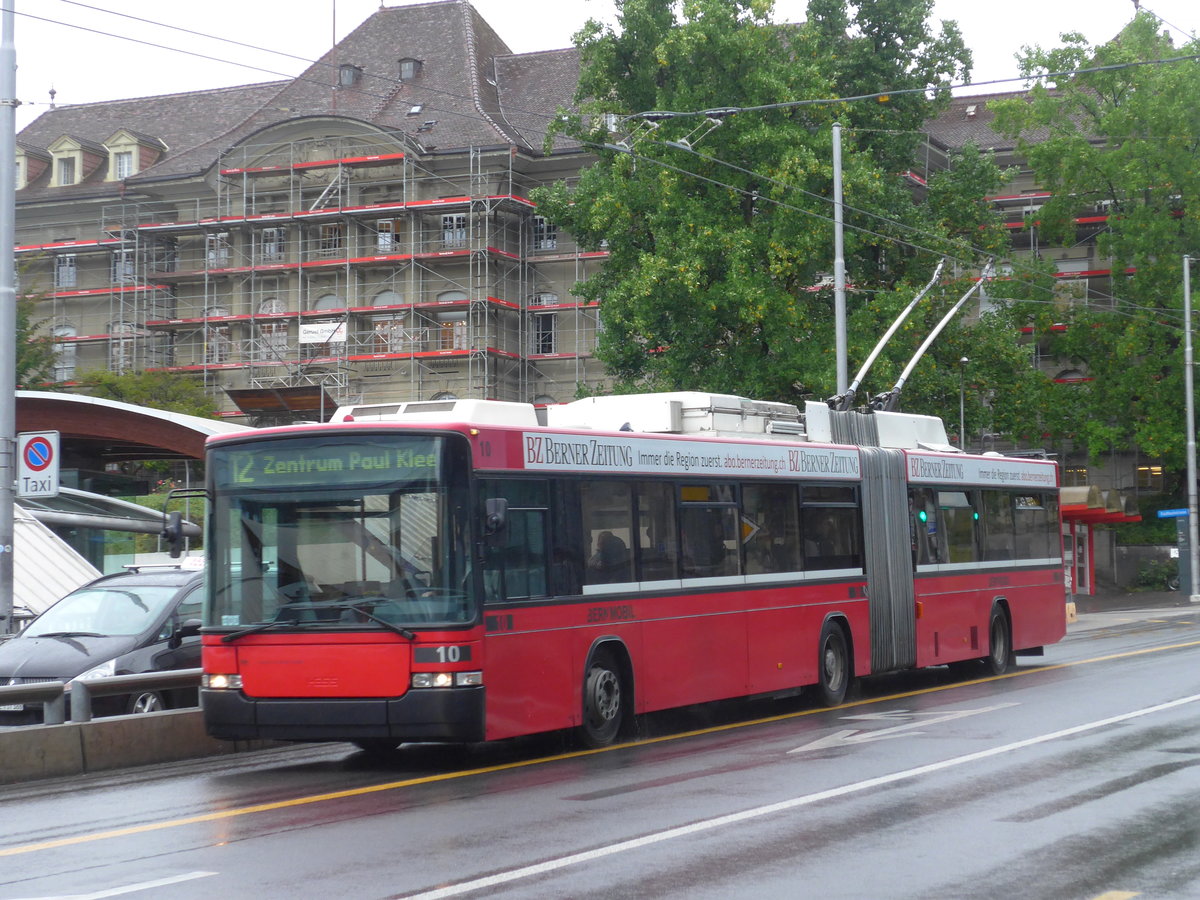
x=1000, y=653
x=833, y=665
x=603, y=702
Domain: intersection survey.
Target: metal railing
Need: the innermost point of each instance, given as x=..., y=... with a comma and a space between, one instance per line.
x=53, y=694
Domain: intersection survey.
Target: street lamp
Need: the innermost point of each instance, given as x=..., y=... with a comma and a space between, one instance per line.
x=962, y=390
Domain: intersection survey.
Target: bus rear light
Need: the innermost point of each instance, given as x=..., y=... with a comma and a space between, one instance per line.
x=446, y=679
x=221, y=682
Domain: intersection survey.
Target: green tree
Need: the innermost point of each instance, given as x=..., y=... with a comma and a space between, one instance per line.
x=155, y=389
x=34, y=349
x=718, y=226
x=1123, y=140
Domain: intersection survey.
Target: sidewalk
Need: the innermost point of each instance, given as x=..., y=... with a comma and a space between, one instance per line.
x=1111, y=601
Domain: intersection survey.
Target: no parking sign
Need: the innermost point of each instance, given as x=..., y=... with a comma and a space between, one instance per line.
x=37, y=464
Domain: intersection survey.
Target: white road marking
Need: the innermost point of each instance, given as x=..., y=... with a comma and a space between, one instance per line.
x=550, y=865
x=852, y=736
x=130, y=888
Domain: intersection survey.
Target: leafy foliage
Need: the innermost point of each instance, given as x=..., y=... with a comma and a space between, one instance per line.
x=34, y=349
x=158, y=390
x=1123, y=140
x=719, y=225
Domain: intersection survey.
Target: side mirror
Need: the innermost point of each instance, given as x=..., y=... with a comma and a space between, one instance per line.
x=172, y=532
x=190, y=628
x=495, y=515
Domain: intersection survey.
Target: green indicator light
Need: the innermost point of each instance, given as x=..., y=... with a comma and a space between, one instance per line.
x=923, y=516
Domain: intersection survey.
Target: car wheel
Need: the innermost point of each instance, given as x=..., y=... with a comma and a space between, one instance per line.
x=145, y=702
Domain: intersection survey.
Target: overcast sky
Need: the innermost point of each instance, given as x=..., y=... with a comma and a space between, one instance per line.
x=82, y=66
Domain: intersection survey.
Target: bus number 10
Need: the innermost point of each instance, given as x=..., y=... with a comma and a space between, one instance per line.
x=451, y=653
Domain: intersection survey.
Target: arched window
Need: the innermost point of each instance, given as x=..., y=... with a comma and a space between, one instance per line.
x=272, y=339
x=387, y=298
x=64, y=351
x=329, y=301
x=121, y=346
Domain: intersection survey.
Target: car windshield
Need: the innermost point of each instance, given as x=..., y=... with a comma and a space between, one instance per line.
x=104, y=610
x=321, y=532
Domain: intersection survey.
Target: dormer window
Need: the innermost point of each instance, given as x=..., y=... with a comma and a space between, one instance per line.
x=129, y=152
x=32, y=164
x=122, y=164
x=409, y=69
x=75, y=160
x=349, y=75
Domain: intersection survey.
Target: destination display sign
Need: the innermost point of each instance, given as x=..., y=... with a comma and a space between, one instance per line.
x=990, y=471
x=651, y=456
x=290, y=464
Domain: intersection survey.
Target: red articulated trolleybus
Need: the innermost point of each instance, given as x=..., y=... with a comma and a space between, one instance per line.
x=460, y=571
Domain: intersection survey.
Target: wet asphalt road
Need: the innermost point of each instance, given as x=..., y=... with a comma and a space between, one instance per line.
x=1076, y=776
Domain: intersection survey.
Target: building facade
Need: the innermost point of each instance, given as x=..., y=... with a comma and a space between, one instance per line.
x=362, y=232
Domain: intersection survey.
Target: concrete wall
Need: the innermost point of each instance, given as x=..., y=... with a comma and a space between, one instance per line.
x=49, y=751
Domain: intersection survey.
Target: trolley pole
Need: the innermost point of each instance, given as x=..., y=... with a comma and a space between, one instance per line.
x=1193, y=550
x=8, y=311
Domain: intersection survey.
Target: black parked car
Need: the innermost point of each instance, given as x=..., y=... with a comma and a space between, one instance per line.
x=143, y=620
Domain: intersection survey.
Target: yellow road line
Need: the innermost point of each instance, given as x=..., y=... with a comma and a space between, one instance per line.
x=485, y=770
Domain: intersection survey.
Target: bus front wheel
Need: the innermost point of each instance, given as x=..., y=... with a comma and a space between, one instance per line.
x=603, y=703
x=833, y=665
x=1000, y=652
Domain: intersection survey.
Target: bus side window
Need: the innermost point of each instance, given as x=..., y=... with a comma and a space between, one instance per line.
x=658, y=544
x=957, y=532
x=771, y=528
x=924, y=524
x=515, y=567
x=708, y=528
x=999, y=531
x=567, y=560
x=606, y=510
x=1035, y=527
x=832, y=528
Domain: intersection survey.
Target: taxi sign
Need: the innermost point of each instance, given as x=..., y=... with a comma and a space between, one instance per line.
x=37, y=464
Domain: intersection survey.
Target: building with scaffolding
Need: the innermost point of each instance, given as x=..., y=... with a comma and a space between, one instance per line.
x=361, y=233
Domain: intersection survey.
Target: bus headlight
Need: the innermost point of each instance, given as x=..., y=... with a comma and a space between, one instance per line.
x=221, y=682
x=446, y=679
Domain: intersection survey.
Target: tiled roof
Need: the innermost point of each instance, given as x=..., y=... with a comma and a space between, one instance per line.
x=969, y=120
x=534, y=86
x=470, y=86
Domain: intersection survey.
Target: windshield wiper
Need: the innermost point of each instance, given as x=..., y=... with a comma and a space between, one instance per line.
x=390, y=626
x=263, y=626
x=68, y=634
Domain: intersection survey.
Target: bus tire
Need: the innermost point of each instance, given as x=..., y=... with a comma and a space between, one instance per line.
x=833, y=665
x=603, y=702
x=1000, y=652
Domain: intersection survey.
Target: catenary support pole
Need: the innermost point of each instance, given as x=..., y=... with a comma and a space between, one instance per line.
x=839, y=266
x=8, y=310
x=1193, y=550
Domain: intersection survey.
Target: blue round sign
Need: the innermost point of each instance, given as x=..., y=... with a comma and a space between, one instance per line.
x=39, y=453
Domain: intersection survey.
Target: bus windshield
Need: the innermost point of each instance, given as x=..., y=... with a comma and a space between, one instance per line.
x=336, y=532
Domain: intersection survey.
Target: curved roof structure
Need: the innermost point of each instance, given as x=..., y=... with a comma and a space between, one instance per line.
x=111, y=431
